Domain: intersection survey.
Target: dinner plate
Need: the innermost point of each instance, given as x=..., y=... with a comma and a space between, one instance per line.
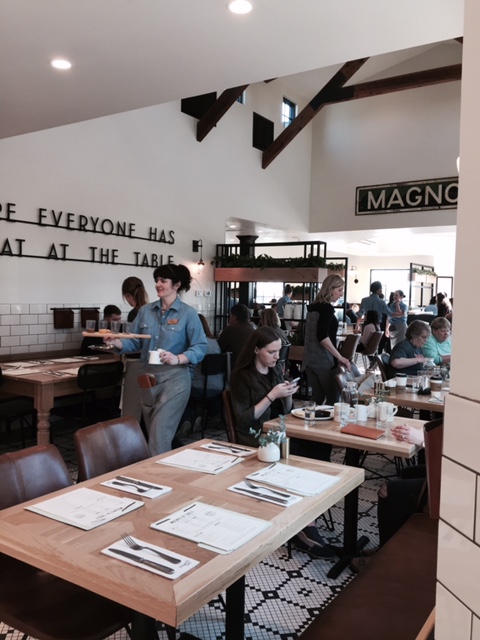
x=299, y=413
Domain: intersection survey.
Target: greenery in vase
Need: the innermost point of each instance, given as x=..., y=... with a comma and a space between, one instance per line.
x=276, y=434
x=423, y=272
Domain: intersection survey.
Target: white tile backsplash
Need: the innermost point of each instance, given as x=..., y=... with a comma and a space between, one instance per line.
x=453, y=619
x=458, y=497
x=19, y=308
x=37, y=308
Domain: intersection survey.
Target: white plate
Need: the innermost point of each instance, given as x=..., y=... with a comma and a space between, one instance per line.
x=299, y=413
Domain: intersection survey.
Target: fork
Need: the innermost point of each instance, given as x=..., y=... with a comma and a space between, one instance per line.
x=257, y=486
x=129, y=484
x=138, y=547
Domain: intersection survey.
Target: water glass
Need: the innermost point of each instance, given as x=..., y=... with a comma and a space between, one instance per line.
x=116, y=326
x=382, y=415
x=309, y=413
x=90, y=326
x=415, y=384
x=346, y=414
x=103, y=326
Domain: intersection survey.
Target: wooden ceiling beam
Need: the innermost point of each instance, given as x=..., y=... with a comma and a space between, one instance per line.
x=332, y=95
x=308, y=113
x=218, y=109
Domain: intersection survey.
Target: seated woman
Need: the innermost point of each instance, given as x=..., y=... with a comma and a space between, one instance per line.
x=402, y=497
x=270, y=319
x=259, y=393
x=439, y=344
x=370, y=326
x=407, y=356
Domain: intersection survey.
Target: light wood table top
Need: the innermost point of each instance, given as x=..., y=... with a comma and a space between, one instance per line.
x=44, y=387
x=74, y=555
x=328, y=431
x=404, y=398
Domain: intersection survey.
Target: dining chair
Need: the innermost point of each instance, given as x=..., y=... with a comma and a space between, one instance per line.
x=99, y=400
x=229, y=417
x=213, y=364
x=383, y=361
x=371, y=349
x=17, y=409
x=349, y=346
x=109, y=445
x=33, y=601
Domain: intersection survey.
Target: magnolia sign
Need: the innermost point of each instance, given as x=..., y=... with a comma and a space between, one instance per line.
x=422, y=195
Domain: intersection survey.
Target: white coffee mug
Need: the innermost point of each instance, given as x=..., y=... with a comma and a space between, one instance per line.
x=337, y=409
x=391, y=410
x=362, y=413
x=154, y=356
x=401, y=379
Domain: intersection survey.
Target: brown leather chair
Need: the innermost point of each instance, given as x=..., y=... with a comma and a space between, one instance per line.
x=229, y=417
x=107, y=446
x=349, y=346
x=371, y=349
x=35, y=602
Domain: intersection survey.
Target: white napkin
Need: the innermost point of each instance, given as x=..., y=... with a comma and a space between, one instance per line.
x=265, y=494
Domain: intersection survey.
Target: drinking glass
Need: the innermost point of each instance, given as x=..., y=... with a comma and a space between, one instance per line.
x=309, y=413
x=116, y=326
x=90, y=326
x=103, y=326
x=382, y=415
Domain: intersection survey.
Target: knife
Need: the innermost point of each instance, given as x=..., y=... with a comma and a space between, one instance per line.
x=262, y=495
x=148, y=563
x=137, y=482
x=225, y=445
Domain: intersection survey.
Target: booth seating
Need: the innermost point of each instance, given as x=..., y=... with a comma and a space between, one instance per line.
x=394, y=594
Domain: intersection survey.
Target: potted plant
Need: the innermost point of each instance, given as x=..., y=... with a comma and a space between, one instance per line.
x=269, y=442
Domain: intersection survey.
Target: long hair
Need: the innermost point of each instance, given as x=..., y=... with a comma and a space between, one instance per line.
x=177, y=273
x=134, y=287
x=372, y=318
x=330, y=283
x=269, y=318
x=205, y=326
x=257, y=340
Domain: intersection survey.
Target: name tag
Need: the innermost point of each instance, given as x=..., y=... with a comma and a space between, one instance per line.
x=172, y=321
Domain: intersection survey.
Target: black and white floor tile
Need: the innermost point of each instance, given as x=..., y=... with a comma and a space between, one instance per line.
x=283, y=594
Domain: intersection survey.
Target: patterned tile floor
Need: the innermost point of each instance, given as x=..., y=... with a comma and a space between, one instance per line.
x=282, y=595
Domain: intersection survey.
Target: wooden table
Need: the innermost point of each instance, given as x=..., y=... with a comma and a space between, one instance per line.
x=328, y=431
x=74, y=554
x=404, y=398
x=44, y=388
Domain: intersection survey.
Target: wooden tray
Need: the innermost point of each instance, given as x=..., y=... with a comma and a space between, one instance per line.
x=109, y=334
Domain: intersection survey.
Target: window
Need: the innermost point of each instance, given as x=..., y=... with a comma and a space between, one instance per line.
x=241, y=98
x=289, y=111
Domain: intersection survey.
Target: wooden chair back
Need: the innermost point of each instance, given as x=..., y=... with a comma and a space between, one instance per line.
x=229, y=417
x=433, y=456
x=349, y=346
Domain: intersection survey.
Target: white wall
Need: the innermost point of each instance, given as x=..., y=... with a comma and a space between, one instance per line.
x=458, y=591
x=409, y=135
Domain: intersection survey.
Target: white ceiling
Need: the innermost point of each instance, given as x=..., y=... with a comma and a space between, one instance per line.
x=128, y=54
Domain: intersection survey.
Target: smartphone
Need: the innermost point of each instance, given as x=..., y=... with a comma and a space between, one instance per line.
x=296, y=381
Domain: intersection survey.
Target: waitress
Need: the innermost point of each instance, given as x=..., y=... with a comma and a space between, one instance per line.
x=174, y=327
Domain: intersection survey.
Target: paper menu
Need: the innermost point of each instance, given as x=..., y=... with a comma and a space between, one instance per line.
x=202, y=461
x=301, y=481
x=219, y=530
x=85, y=508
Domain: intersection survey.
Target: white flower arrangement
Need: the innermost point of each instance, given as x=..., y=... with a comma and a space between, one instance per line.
x=276, y=434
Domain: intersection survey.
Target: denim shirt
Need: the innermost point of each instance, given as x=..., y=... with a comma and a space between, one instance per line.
x=178, y=330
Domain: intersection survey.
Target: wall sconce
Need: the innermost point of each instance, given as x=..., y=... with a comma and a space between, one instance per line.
x=353, y=272
x=197, y=245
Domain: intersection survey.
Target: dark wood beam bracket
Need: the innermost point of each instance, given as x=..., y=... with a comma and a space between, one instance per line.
x=308, y=113
x=218, y=109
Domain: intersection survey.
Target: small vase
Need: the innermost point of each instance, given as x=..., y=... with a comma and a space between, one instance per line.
x=269, y=453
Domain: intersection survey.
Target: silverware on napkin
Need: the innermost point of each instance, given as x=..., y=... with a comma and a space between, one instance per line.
x=148, y=563
x=137, y=482
x=258, y=494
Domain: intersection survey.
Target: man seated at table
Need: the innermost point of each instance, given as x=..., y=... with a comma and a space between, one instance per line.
x=237, y=332
x=111, y=313
x=439, y=344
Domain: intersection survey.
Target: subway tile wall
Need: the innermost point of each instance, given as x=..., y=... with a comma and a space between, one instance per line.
x=28, y=328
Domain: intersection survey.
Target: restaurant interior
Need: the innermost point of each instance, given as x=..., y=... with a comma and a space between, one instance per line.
x=106, y=172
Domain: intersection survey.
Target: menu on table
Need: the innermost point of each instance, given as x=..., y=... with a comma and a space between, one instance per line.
x=213, y=528
x=85, y=508
x=302, y=481
x=202, y=461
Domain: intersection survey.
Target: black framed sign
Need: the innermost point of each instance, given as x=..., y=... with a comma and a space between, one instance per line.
x=421, y=195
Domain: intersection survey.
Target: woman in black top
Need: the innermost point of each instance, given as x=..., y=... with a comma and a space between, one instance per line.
x=134, y=292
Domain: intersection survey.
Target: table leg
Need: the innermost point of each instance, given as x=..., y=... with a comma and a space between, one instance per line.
x=43, y=402
x=351, y=545
x=143, y=627
x=235, y=610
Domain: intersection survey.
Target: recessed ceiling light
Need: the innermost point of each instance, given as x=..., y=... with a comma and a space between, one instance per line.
x=240, y=6
x=59, y=63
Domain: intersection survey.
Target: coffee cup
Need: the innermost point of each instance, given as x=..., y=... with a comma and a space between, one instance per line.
x=391, y=411
x=401, y=379
x=154, y=356
x=362, y=413
x=436, y=383
x=337, y=410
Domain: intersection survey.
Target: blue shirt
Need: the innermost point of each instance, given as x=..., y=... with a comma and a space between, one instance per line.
x=178, y=330
x=399, y=319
